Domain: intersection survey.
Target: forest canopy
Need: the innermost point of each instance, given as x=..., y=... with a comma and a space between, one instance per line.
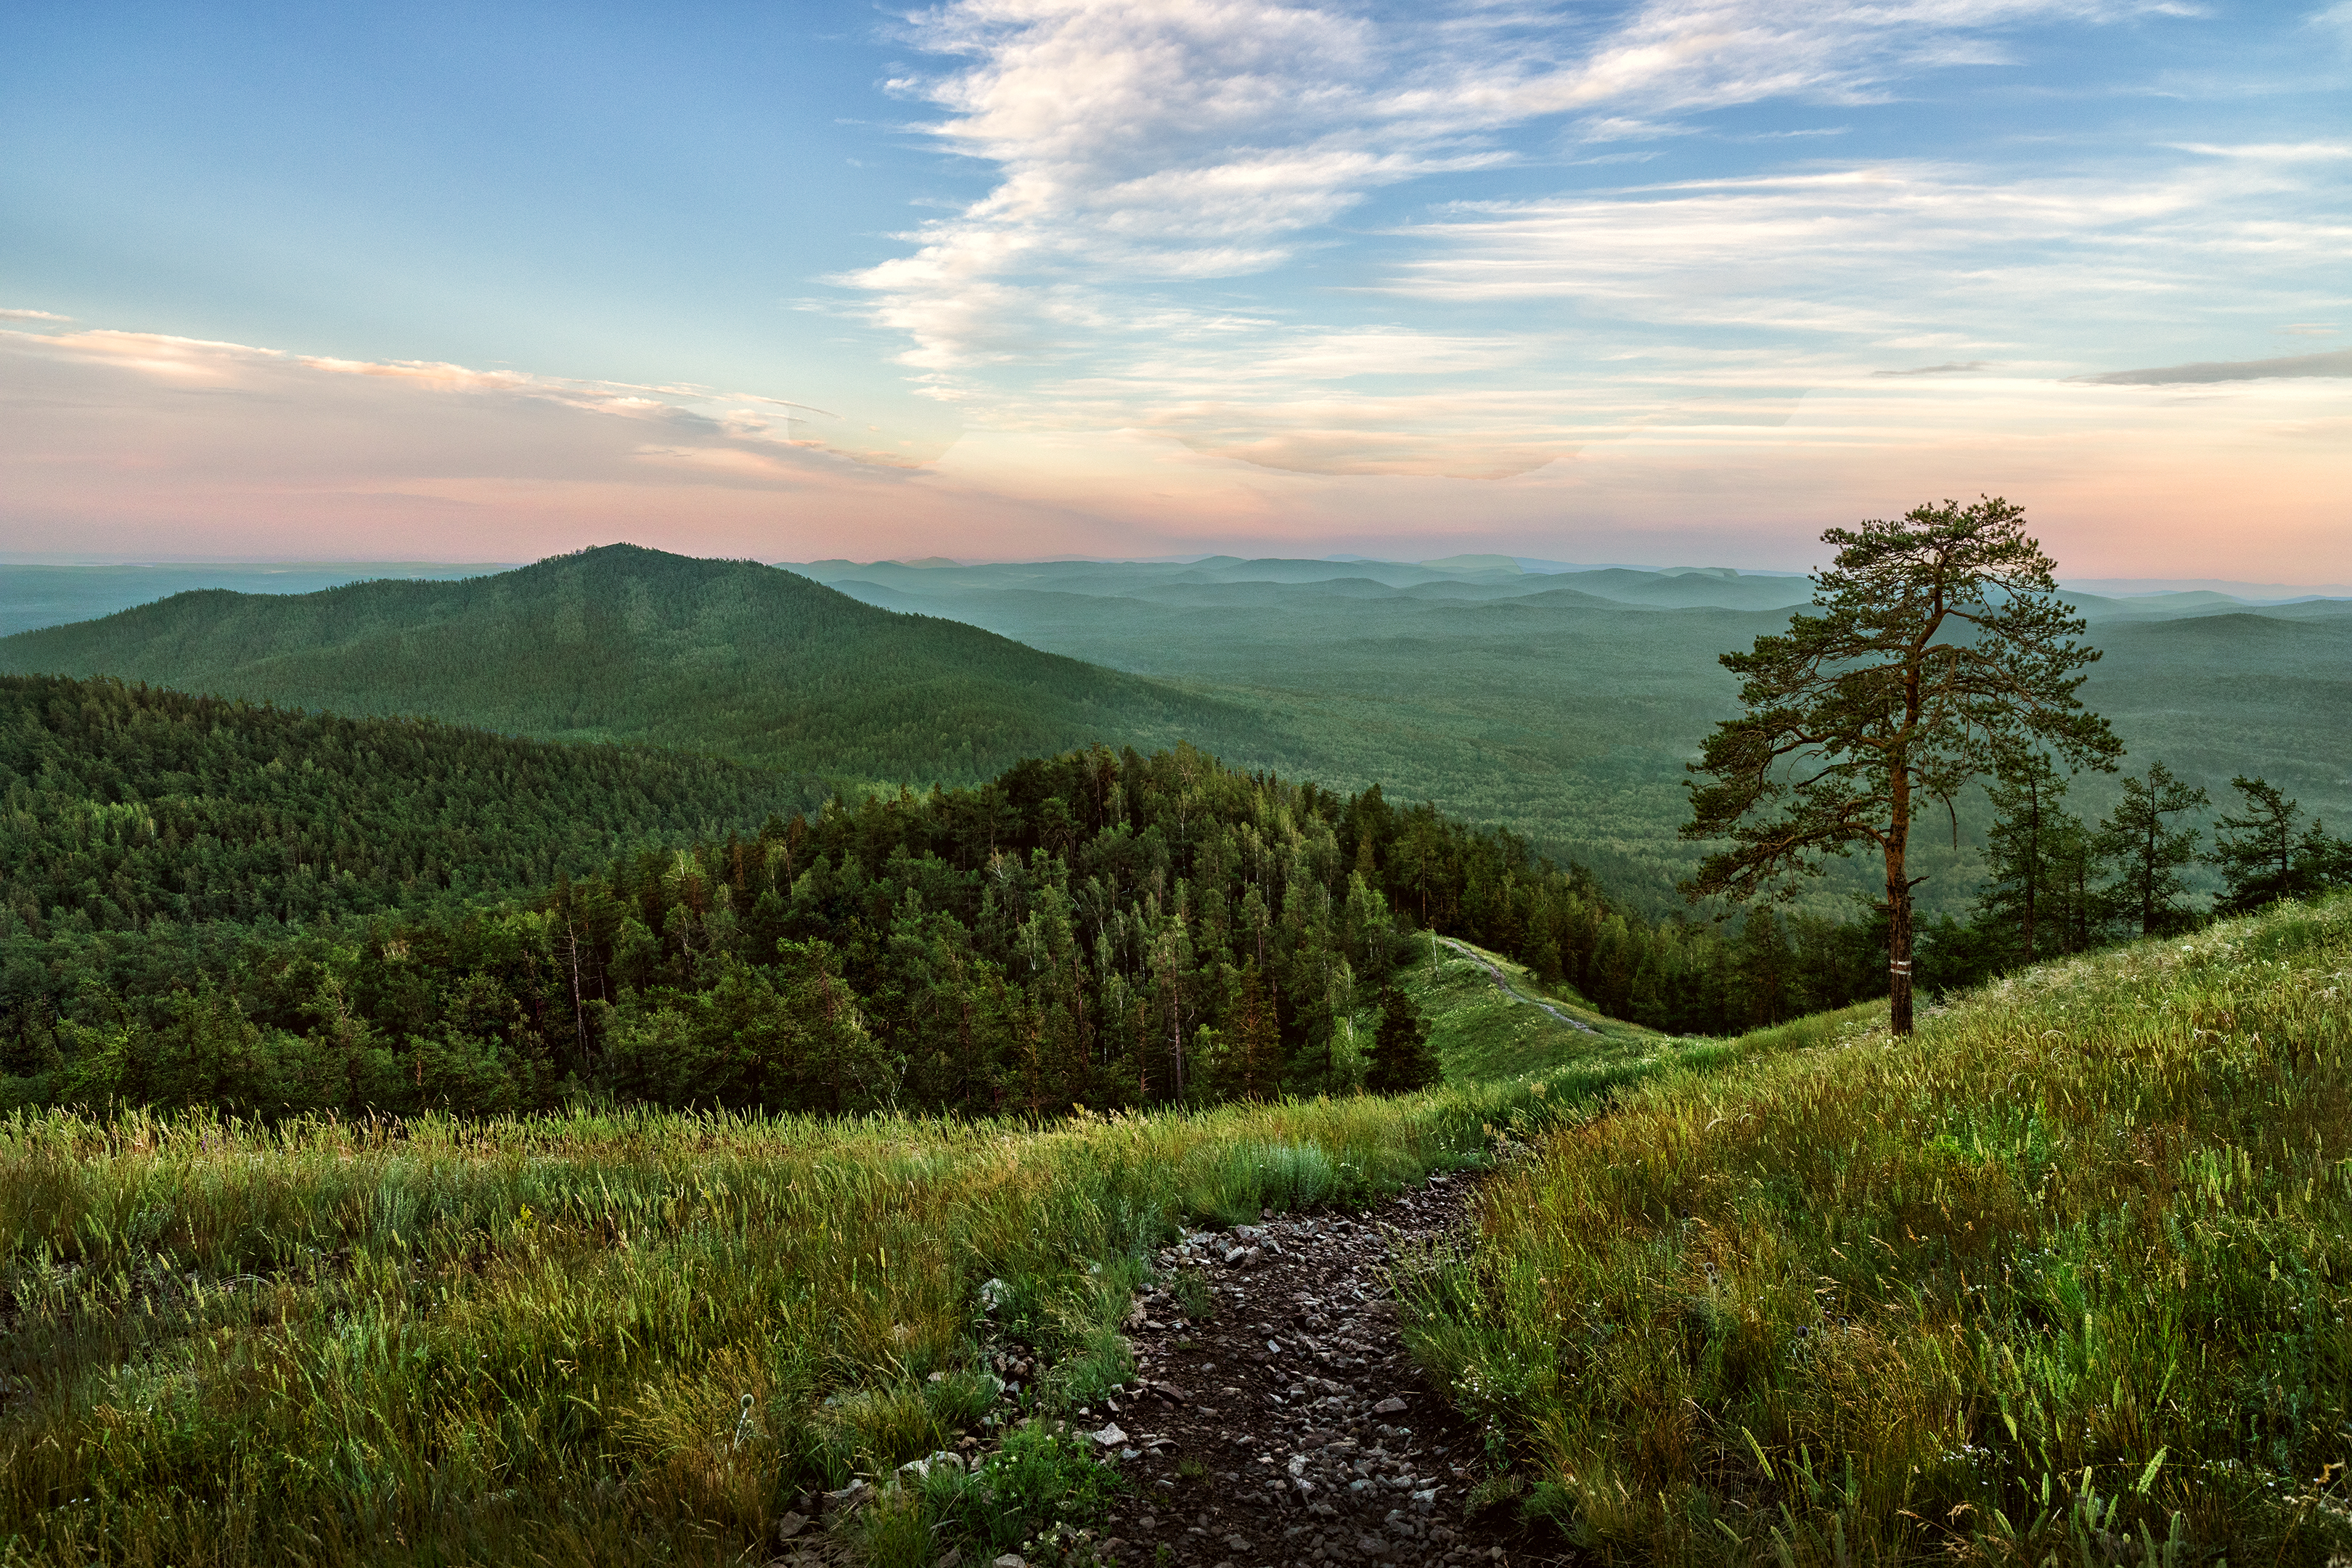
x=123, y=805
x=1100, y=928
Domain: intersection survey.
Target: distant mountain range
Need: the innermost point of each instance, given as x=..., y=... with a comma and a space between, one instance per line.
x=936, y=583
x=45, y=594
x=620, y=643
x=1562, y=704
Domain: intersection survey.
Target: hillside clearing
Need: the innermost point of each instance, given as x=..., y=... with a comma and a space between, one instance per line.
x=1483, y=1029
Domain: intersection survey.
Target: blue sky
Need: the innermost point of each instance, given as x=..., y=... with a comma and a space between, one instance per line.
x=1676, y=280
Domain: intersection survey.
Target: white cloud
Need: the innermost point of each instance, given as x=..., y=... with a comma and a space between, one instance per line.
x=1154, y=155
x=1881, y=253
x=2275, y=152
x=32, y=316
x=758, y=423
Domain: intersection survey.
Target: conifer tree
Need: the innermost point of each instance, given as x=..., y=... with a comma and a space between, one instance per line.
x=2267, y=855
x=1940, y=646
x=1402, y=1060
x=1250, y=1066
x=2149, y=855
x=2033, y=849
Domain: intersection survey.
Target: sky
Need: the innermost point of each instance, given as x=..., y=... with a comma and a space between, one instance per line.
x=1684, y=281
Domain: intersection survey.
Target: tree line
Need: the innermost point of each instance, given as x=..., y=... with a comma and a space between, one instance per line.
x=2055, y=884
x=1099, y=928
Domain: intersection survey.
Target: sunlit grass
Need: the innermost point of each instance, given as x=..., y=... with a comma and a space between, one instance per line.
x=595, y=1339
x=2066, y=1273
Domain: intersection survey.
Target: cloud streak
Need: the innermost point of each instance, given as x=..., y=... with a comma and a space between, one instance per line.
x=202, y=363
x=1169, y=175
x=148, y=442
x=2336, y=363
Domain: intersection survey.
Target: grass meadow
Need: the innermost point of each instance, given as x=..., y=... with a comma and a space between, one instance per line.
x=602, y=1339
x=2061, y=1281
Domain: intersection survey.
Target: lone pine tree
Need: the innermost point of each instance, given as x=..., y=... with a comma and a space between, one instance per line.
x=1939, y=652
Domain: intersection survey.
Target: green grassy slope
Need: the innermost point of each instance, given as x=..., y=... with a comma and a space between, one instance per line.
x=1480, y=1029
x=2064, y=1278
x=621, y=643
x=613, y=1340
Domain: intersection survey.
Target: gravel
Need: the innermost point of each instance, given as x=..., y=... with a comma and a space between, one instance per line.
x=1292, y=1427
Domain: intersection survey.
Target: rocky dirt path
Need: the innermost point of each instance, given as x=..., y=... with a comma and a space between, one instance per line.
x=1289, y=1426
x=1513, y=991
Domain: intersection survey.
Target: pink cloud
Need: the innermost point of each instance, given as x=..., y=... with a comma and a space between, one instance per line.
x=143, y=444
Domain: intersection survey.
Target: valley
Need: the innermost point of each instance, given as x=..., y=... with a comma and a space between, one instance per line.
x=1564, y=705
x=1178, y=785
x=655, y=1061
x=1561, y=705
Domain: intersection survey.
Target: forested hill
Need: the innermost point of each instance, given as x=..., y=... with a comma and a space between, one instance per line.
x=123, y=805
x=622, y=643
x=1101, y=928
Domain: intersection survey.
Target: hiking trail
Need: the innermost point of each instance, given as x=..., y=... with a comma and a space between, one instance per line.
x=1291, y=1426
x=1512, y=992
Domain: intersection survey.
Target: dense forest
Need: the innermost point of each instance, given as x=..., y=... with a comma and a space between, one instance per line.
x=1103, y=928
x=627, y=644
x=204, y=901
x=121, y=806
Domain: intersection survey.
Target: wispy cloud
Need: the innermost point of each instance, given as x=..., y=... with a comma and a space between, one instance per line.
x=2336, y=363
x=198, y=363
x=146, y=440
x=32, y=316
x=2274, y=152
x=1166, y=169
x=1895, y=252
x=2336, y=18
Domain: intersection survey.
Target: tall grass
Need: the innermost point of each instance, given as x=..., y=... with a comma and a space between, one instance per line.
x=598, y=1338
x=2063, y=1279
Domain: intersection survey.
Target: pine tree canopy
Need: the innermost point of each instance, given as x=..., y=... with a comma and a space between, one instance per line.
x=1938, y=653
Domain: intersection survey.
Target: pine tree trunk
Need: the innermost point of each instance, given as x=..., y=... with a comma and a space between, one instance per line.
x=579, y=1006
x=1898, y=910
x=1899, y=945
x=2033, y=858
x=1176, y=1048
